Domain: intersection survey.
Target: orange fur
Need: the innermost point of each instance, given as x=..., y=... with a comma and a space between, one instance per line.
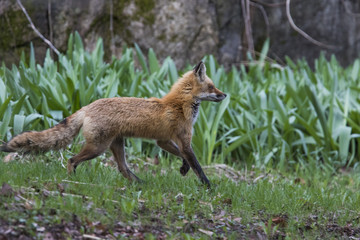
x=106, y=122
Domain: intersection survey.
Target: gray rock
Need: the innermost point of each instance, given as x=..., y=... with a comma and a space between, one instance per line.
x=185, y=30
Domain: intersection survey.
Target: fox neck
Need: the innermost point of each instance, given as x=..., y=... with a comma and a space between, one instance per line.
x=181, y=99
x=195, y=110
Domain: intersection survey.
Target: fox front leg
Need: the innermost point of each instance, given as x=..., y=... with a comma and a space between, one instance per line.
x=188, y=153
x=172, y=148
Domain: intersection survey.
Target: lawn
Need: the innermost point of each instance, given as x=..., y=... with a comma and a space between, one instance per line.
x=39, y=200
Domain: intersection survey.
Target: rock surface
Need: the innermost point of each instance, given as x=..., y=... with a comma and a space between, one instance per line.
x=184, y=30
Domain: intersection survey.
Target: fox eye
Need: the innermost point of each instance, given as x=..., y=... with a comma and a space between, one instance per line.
x=211, y=87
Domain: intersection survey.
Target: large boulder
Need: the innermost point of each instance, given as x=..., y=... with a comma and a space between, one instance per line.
x=184, y=30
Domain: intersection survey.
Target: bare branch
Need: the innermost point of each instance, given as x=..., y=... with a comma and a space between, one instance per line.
x=269, y=4
x=304, y=34
x=266, y=19
x=245, y=6
x=37, y=31
x=348, y=11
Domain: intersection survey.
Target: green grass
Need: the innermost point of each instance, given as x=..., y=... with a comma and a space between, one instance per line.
x=304, y=205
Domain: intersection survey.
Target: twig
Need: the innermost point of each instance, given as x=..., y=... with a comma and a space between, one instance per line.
x=269, y=4
x=62, y=159
x=24, y=199
x=266, y=19
x=245, y=6
x=348, y=11
x=90, y=184
x=37, y=31
x=88, y=236
x=304, y=34
x=30, y=190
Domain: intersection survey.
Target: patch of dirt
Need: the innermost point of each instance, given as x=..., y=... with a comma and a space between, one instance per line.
x=77, y=229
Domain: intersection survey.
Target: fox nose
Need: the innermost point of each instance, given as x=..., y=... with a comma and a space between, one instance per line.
x=225, y=95
x=221, y=95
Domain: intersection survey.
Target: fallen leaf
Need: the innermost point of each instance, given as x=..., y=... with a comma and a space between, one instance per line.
x=227, y=201
x=48, y=236
x=222, y=213
x=299, y=180
x=45, y=193
x=40, y=229
x=209, y=233
x=28, y=205
x=6, y=190
x=207, y=204
x=281, y=221
x=238, y=219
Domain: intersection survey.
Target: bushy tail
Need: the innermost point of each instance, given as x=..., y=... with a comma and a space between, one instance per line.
x=56, y=137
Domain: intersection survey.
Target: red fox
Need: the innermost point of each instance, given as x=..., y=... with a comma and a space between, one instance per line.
x=106, y=122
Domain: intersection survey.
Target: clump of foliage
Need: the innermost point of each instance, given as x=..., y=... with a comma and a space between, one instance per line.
x=275, y=116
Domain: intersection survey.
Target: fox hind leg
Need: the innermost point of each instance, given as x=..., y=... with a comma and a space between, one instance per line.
x=172, y=148
x=88, y=152
x=117, y=147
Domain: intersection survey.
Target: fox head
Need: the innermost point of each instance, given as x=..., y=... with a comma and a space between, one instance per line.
x=203, y=88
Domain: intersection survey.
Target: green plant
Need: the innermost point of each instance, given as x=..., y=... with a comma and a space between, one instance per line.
x=274, y=116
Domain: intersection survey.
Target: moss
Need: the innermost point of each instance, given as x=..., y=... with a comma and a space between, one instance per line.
x=162, y=37
x=15, y=24
x=142, y=13
x=15, y=37
x=145, y=6
x=144, y=10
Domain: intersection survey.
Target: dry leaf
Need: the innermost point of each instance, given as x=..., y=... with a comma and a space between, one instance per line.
x=6, y=190
x=281, y=221
x=48, y=236
x=227, y=201
x=238, y=219
x=300, y=180
x=222, y=213
x=209, y=233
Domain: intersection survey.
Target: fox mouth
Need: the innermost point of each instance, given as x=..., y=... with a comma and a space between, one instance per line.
x=213, y=98
x=220, y=97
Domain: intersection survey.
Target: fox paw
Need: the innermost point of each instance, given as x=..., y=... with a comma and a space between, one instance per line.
x=71, y=167
x=184, y=169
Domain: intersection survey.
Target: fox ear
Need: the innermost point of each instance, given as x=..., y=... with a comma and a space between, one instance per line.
x=200, y=71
